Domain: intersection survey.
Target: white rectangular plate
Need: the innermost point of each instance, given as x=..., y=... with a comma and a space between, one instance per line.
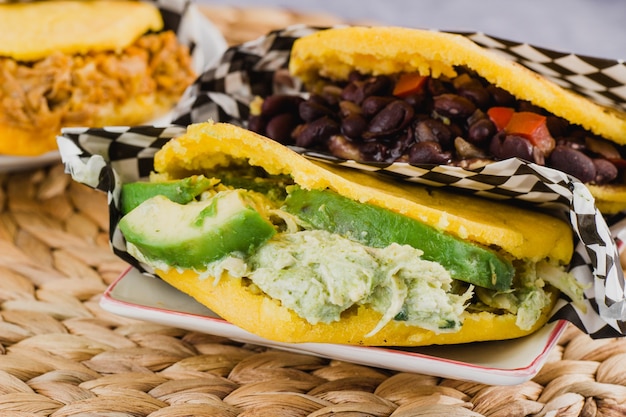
x=510, y=362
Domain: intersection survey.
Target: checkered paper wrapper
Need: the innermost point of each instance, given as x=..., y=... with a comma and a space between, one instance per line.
x=106, y=158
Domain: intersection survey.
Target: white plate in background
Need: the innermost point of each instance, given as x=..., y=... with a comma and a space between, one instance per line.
x=509, y=362
x=23, y=163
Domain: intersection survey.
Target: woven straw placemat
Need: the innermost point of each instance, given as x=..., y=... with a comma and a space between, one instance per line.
x=62, y=355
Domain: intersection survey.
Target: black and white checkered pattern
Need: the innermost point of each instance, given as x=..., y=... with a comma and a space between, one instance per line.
x=602, y=80
x=223, y=93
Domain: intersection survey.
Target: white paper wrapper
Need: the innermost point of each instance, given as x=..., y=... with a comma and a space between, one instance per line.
x=105, y=158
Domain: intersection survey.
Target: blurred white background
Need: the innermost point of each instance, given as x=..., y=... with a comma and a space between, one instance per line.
x=589, y=27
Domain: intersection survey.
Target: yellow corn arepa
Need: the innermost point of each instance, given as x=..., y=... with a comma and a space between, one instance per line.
x=524, y=234
x=16, y=140
x=388, y=50
x=610, y=198
x=263, y=316
x=32, y=31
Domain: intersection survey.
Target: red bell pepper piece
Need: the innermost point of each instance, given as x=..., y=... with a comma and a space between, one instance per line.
x=500, y=116
x=531, y=126
x=408, y=84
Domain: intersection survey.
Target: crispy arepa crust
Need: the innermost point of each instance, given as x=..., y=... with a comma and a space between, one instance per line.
x=334, y=53
x=34, y=30
x=524, y=234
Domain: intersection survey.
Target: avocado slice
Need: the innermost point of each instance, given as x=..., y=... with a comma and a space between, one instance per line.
x=194, y=234
x=379, y=227
x=179, y=191
x=272, y=187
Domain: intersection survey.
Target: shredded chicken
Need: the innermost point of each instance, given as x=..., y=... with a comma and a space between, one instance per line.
x=63, y=90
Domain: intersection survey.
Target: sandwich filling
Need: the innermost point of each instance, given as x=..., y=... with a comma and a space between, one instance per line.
x=82, y=90
x=462, y=120
x=321, y=255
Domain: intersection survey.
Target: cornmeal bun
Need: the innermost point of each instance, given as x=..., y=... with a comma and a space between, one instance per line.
x=84, y=63
x=376, y=51
x=524, y=237
x=265, y=317
x=388, y=50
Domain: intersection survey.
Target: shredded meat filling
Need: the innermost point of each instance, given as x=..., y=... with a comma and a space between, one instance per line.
x=69, y=90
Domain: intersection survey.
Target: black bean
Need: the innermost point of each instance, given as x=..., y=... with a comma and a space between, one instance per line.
x=310, y=110
x=355, y=76
x=466, y=150
x=524, y=105
x=280, y=127
x=476, y=116
x=280, y=103
x=419, y=101
x=320, y=99
x=606, y=171
x=317, y=132
x=257, y=124
x=512, y=146
x=436, y=87
x=357, y=91
x=433, y=130
x=354, y=92
x=500, y=96
x=453, y=106
x=348, y=108
x=374, y=152
x=394, y=117
x=573, y=162
x=572, y=141
x=456, y=129
x=401, y=143
x=331, y=95
x=602, y=148
x=341, y=147
x=374, y=104
x=557, y=126
x=378, y=86
x=428, y=153
x=481, y=131
x=477, y=94
x=354, y=126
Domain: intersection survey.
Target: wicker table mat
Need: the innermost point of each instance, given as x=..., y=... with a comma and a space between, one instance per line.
x=62, y=355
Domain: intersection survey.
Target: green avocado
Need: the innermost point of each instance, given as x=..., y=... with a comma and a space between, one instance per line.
x=379, y=227
x=179, y=191
x=194, y=234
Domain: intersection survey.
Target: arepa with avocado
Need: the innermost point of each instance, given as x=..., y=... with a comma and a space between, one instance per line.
x=387, y=94
x=300, y=251
x=84, y=63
